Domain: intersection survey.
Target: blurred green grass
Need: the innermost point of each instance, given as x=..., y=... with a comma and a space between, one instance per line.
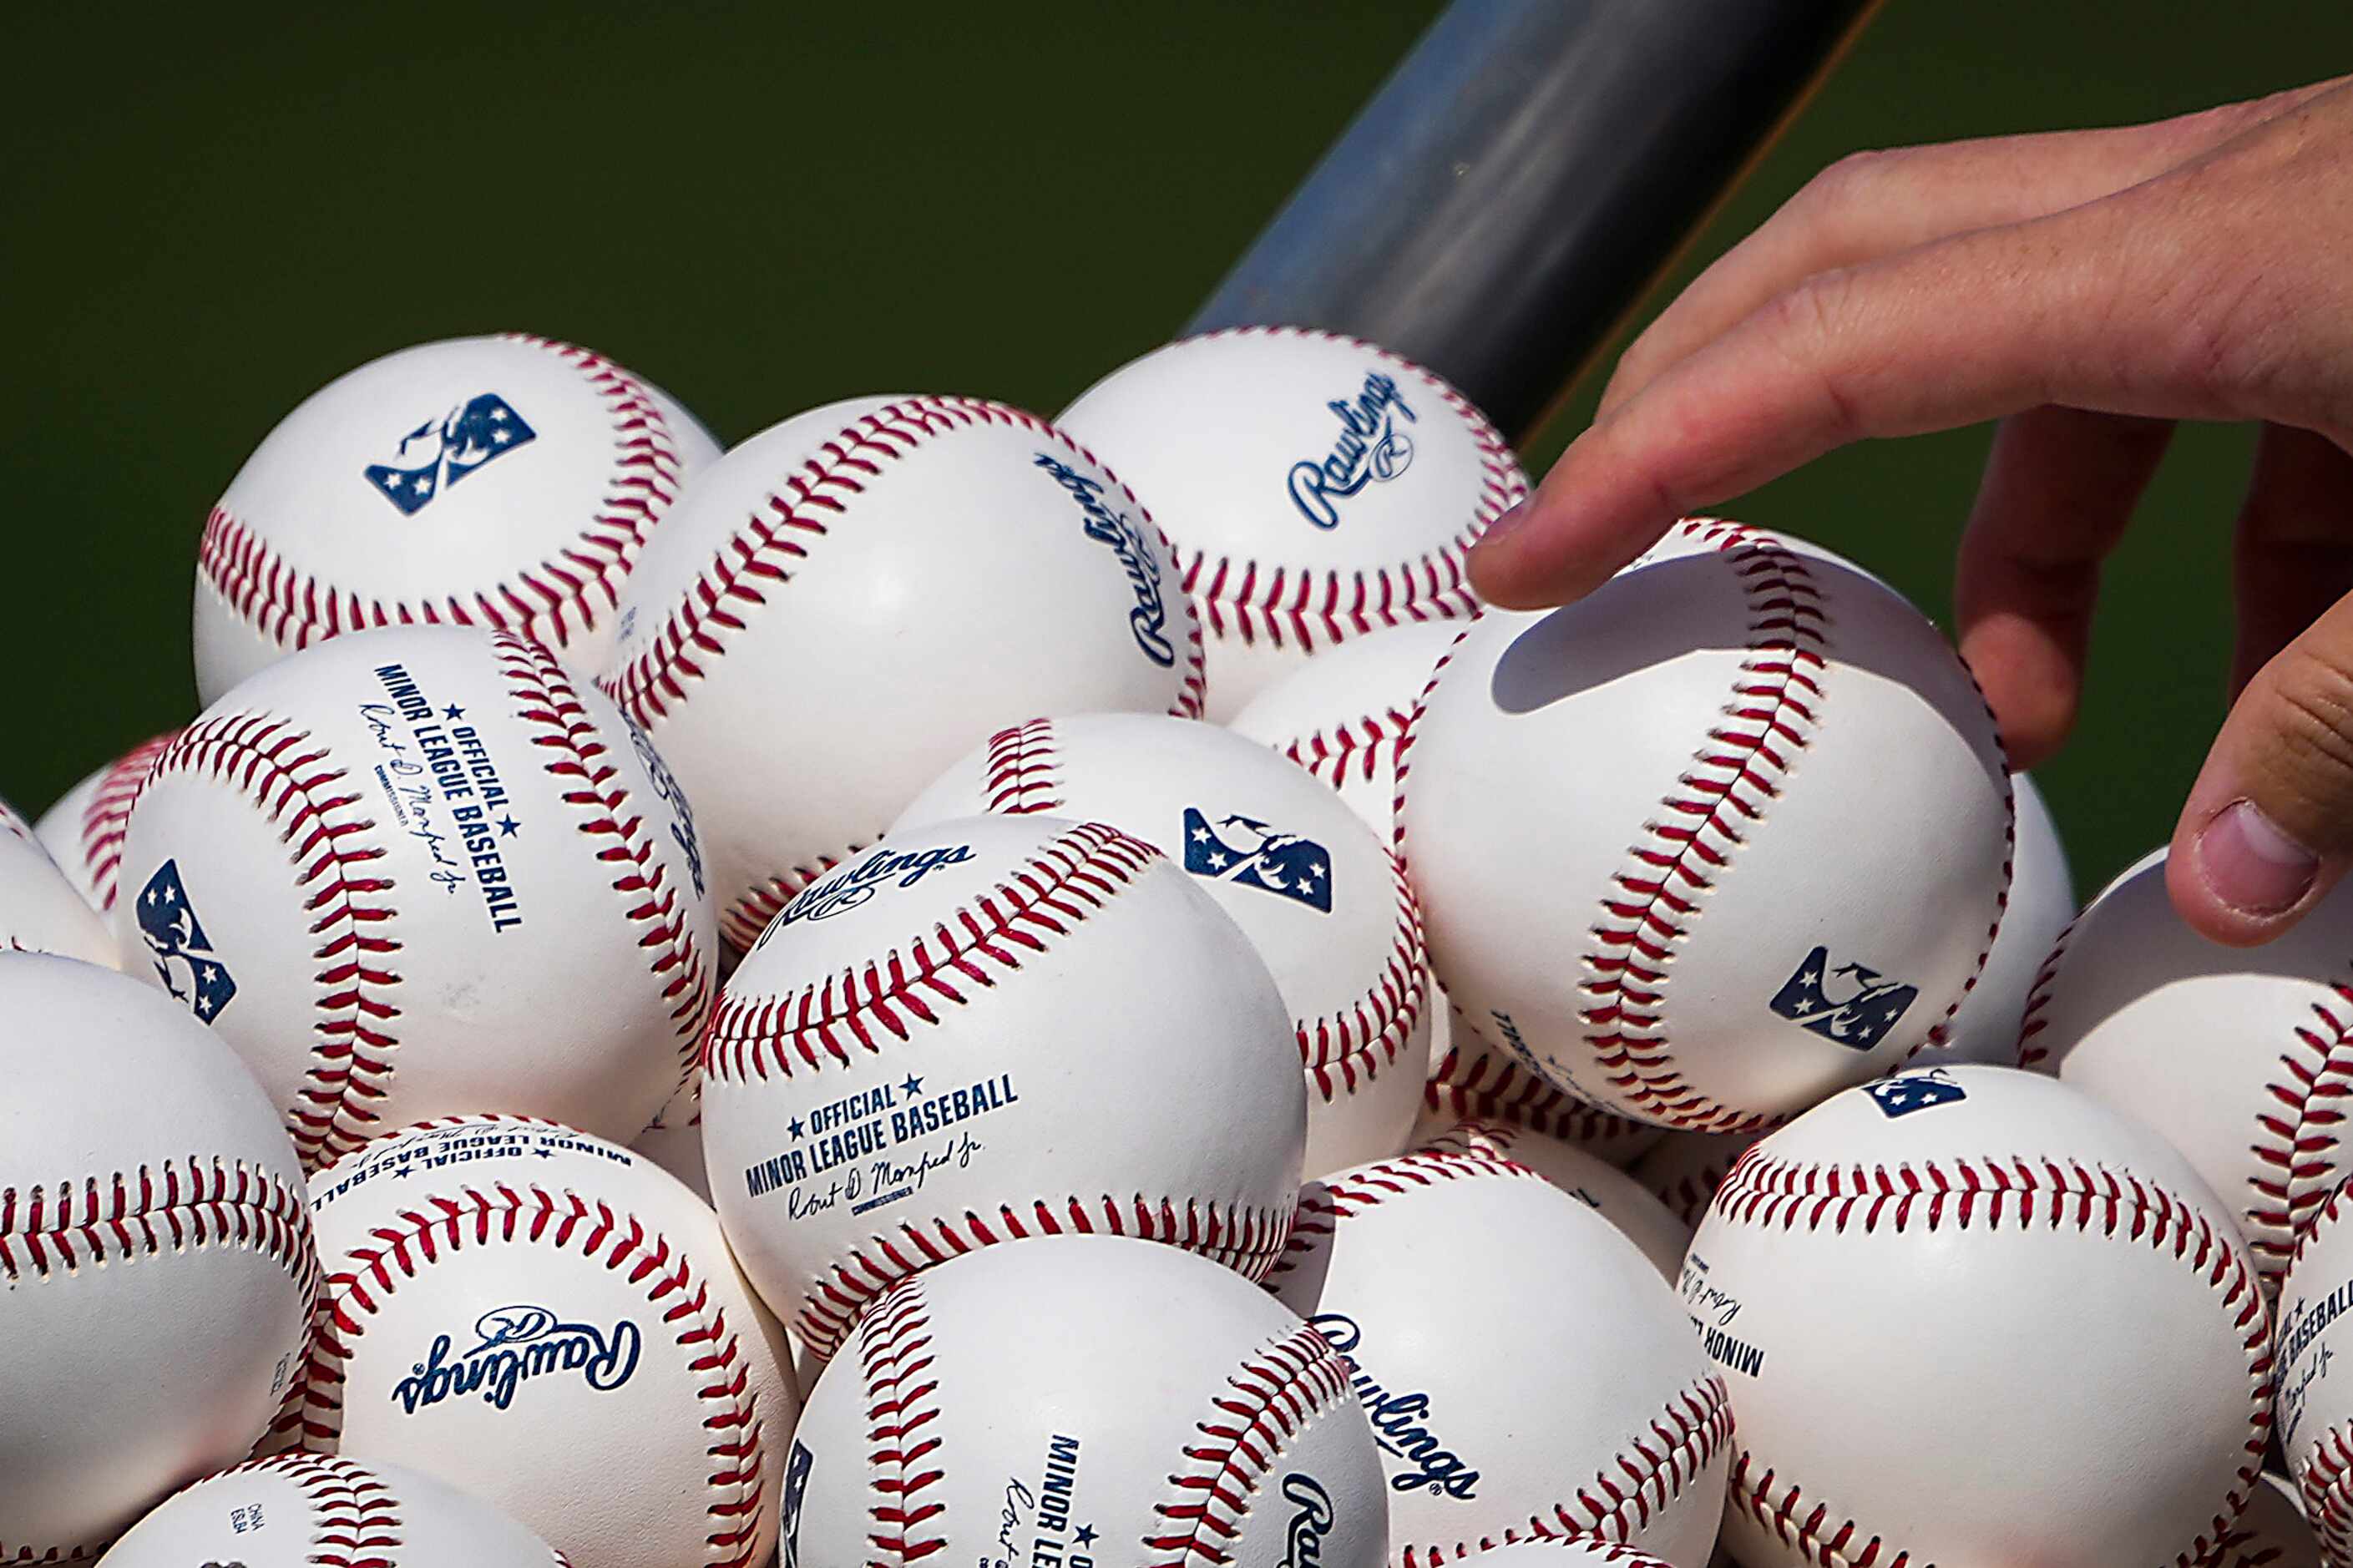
x=208, y=216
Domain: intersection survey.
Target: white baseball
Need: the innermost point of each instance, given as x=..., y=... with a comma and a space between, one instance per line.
x=2041, y=902
x=1970, y=1315
x=1638, y=1213
x=156, y=1257
x=42, y=911
x=2242, y=1057
x=1084, y=1398
x=1470, y=1080
x=293, y=1510
x=553, y=1323
x=1565, y=1552
x=1521, y=1360
x=988, y=1029
x=1320, y=898
x=851, y=598
x=503, y=482
x=419, y=871
x=13, y=823
x=1342, y=714
x=1723, y=837
x=1683, y=1170
x=83, y=830
x=1317, y=488
x=2315, y=1409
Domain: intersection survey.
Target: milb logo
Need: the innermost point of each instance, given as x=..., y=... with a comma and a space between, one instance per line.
x=440, y=452
x=1860, y=1018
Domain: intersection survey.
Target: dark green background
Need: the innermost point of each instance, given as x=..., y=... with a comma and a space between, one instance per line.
x=206, y=217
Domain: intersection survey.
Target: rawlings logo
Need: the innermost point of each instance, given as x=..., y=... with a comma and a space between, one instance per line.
x=1399, y=1422
x=183, y=957
x=1311, y=1520
x=681, y=828
x=517, y=1344
x=440, y=452
x=1149, y=619
x=1258, y=857
x=1911, y=1092
x=1860, y=1019
x=1370, y=448
x=854, y=885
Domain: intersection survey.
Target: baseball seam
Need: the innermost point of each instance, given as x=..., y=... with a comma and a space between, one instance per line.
x=1481, y=1085
x=1989, y=1193
x=1344, y=1051
x=1324, y=1203
x=2327, y=1488
x=555, y=601
x=1350, y=748
x=355, y=1520
x=579, y=760
x=418, y=1238
x=902, y=1406
x=107, y=816
x=1305, y=607
x=302, y=792
x=1273, y=1398
x=172, y=1205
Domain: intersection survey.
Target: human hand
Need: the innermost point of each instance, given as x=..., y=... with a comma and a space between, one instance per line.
x=2088, y=289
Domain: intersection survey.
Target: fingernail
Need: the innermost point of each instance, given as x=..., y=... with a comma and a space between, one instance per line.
x=2250, y=863
x=1505, y=523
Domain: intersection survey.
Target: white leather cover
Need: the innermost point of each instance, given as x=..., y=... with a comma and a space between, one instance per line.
x=673, y=1139
x=1471, y=1079
x=2041, y=902
x=1317, y=488
x=1319, y=896
x=988, y=1029
x=1724, y=836
x=1519, y=1359
x=1084, y=1398
x=294, y=1510
x=421, y=871
x=83, y=829
x=2241, y=1057
x=155, y=1256
x=1638, y=1213
x=528, y=474
x=1974, y=1316
x=554, y=1324
x=852, y=598
x=42, y=911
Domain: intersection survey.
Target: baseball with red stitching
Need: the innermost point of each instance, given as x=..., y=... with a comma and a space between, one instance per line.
x=1084, y=1399
x=1317, y=488
x=423, y=870
x=1320, y=898
x=1683, y=1170
x=13, y=822
x=42, y=911
x=1562, y=1554
x=295, y=1510
x=2242, y=1057
x=1970, y=1315
x=673, y=1139
x=1669, y=839
x=2042, y=903
x=1638, y=1213
x=1341, y=714
x=156, y=1265
x=851, y=598
x=1470, y=1080
x=990, y=1029
x=2272, y=1532
x=1518, y=1356
x=556, y=1324
x=505, y=482
x=83, y=830
x=2315, y=1409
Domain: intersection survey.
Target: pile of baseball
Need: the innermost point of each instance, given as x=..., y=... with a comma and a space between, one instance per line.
x=948, y=987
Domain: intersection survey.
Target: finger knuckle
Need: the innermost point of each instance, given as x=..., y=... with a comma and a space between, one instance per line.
x=2307, y=746
x=1847, y=182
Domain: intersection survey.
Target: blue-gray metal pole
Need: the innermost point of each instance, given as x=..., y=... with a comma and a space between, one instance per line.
x=1527, y=172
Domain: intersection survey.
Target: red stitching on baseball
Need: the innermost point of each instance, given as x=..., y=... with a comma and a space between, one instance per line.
x=1244, y=1237
x=1990, y=1193
x=1322, y=1203
x=579, y=761
x=355, y=1520
x=1487, y=1086
x=1596, y=1551
x=108, y=815
x=1671, y=1455
x=1275, y=1396
x=622, y=1244
x=173, y=1206
x=1294, y=607
x=303, y=795
x=902, y=1405
x=748, y=916
x=975, y=946
x=2327, y=1488
x=2032, y=1053
x=1341, y=1052
x=550, y=602
x=1351, y=748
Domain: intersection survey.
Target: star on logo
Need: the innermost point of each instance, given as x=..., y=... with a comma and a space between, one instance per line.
x=793, y=1128
x=913, y=1086
x=1086, y=1535
x=453, y=711
x=403, y=1173
x=544, y=1152
x=509, y=827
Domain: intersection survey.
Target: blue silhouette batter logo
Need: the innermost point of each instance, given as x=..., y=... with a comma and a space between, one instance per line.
x=183, y=955
x=440, y=452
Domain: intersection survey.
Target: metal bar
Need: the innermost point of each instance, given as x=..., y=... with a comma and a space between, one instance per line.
x=1529, y=169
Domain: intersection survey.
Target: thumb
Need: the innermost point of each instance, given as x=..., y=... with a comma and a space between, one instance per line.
x=2268, y=828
